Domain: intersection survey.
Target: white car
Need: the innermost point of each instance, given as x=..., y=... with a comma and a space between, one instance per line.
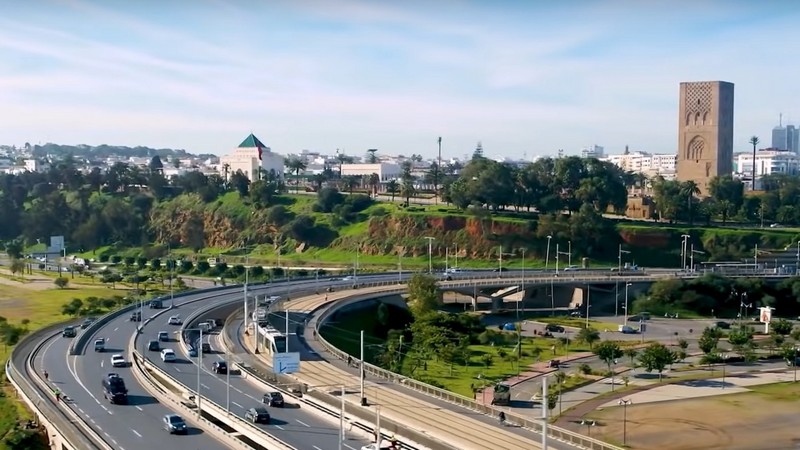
x=118, y=361
x=347, y=278
x=174, y=320
x=167, y=355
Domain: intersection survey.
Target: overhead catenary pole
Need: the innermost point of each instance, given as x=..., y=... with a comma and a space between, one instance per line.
x=545, y=405
x=627, y=285
x=287, y=330
x=199, y=365
x=361, y=367
x=547, y=253
x=436, y=175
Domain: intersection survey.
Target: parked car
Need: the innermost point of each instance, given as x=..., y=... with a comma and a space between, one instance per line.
x=273, y=399
x=259, y=414
x=118, y=361
x=220, y=367
x=69, y=332
x=174, y=424
x=163, y=336
x=167, y=355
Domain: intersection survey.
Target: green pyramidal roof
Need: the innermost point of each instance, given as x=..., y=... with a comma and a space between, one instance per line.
x=251, y=142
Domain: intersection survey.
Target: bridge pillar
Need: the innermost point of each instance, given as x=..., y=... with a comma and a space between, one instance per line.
x=497, y=304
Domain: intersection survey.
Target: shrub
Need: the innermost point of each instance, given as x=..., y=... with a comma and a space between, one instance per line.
x=115, y=259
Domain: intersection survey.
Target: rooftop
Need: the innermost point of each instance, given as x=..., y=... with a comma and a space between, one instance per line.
x=252, y=142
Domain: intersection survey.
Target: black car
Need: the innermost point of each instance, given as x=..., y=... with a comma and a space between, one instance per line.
x=273, y=399
x=114, y=389
x=722, y=325
x=136, y=316
x=220, y=367
x=69, y=332
x=156, y=304
x=553, y=328
x=504, y=269
x=154, y=346
x=259, y=414
x=174, y=424
x=205, y=347
x=86, y=322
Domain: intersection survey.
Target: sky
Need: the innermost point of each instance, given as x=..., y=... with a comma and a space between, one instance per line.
x=524, y=78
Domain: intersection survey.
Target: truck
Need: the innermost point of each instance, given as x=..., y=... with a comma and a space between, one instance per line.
x=501, y=394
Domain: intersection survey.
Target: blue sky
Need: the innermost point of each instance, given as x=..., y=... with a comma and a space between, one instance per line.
x=525, y=78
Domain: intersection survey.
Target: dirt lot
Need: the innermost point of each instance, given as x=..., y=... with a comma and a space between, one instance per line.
x=764, y=419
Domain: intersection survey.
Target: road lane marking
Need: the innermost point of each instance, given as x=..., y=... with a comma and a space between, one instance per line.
x=177, y=370
x=279, y=427
x=136, y=432
x=103, y=406
x=115, y=329
x=91, y=420
x=302, y=423
x=205, y=387
x=102, y=361
x=139, y=408
x=351, y=448
x=316, y=447
x=240, y=406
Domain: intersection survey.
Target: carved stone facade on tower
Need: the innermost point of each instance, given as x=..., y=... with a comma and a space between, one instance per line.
x=705, y=132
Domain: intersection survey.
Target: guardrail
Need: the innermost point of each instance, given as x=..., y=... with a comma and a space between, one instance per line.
x=65, y=428
x=535, y=425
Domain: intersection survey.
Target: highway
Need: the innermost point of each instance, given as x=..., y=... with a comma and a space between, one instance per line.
x=138, y=424
x=295, y=425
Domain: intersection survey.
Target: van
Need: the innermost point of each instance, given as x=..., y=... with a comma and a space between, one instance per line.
x=156, y=304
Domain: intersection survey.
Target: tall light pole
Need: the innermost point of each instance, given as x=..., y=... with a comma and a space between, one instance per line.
x=199, y=367
x=436, y=175
x=430, y=253
x=626, y=302
x=684, y=240
x=621, y=251
x=797, y=262
x=624, y=403
x=561, y=253
x=692, y=252
x=545, y=404
x=522, y=300
x=569, y=254
x=588, y=292
x=363, y=395
x=341, y=421
x=547, y=254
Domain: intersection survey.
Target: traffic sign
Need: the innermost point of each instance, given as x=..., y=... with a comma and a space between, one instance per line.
x=286, y=362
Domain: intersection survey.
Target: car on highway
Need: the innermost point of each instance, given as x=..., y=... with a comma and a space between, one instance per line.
x=174, y=320
x=163, y=336
x=347, y=278
x=86, y=322
x=175, y=424
x=156, y=304
x=220, y=367
x=168, y=355
x=626, y=329
x=193, y=352
x=136, y=316
x=69, y=332
x=205, y=347
x=153, y=345
x=118, y=360
x=259, y=414
x=100, y=344
x=553, y=328
x=114, y=389
x=722, y=325
x=273, y=399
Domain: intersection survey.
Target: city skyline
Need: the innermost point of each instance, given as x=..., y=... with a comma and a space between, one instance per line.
x=522, y=79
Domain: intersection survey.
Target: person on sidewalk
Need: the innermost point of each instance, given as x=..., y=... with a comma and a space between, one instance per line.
x=502, y=418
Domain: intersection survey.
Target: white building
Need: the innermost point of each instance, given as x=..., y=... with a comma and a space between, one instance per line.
x=768, y=162
x=33, y=165
x=385, y=171
x=643, y=162
x=250, y=156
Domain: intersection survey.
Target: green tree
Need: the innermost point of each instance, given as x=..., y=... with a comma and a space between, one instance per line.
x=741, y=338
x=423, y=295
x=61, y=282
x=589, y=336
x=782, y=327
x=17, y=266
x=709, y=340
x=657, y=357
x=608, y=352
x=631, y=353
x=392, y=188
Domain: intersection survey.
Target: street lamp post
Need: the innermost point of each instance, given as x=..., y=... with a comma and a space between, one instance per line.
x=724, y=357
x=199, y=368
x=430, y=253
x=562, y=253
x=621, y=251
x=797, y=262
x=684, y=240
x=624, y=403
x=547, y=253
x=522, y=300
x=693, y=252
x=588, y=292
x=569, y=253
x=626, y=302
x=361, y=372
x=589, y=424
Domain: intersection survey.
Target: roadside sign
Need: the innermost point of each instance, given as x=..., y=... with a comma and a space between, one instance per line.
x=286, y=362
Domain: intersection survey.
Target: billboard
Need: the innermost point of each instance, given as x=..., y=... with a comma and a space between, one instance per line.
x=766, y=314
x=56, y=244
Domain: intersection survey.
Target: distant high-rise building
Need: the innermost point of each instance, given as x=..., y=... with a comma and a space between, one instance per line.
x=705, y=132
x=592, y=151
x=785, y=137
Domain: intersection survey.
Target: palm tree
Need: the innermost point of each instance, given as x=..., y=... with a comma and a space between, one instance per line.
x=343, y=159
x=372, y=158
x=351, y=181
x=689, y=189
x=374, y=180
x=225, y=169
x=408, y=189
x=391, y=187
x=754, y=141
x=296, y=165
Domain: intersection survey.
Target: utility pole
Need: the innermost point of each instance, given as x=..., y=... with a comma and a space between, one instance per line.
x=436, y=176
x=430, y=253
x=545, y=404
x=363, y=395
